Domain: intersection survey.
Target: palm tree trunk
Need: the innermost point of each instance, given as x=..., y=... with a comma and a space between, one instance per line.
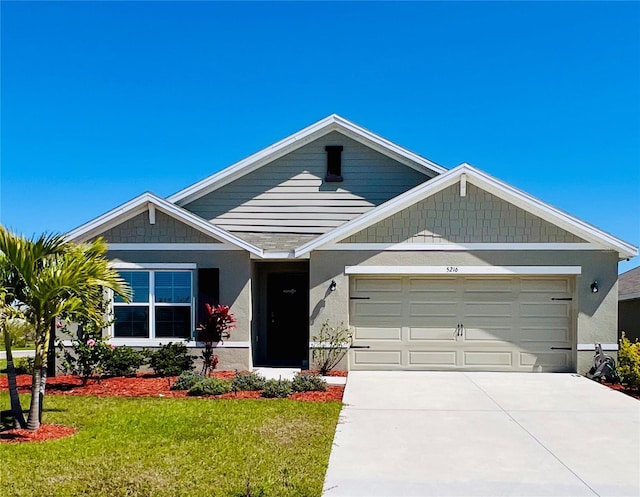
x=33, y=421
x=14, y=398
x=43, y=384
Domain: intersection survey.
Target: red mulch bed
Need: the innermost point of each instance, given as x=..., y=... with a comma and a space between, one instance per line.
x=141, y=385
x=624, y=389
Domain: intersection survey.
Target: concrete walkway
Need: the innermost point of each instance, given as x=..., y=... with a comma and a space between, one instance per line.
x=18, y=353
x=484, y=434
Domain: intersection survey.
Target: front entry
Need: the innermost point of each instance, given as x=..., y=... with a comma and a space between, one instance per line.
x=287, y=319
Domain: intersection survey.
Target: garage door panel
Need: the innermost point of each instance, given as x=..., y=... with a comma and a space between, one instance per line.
x=442, y=334
x=530, y=285
x=487, y=358
x=377, y=333
x=433, y=309
x=545, y=309
x=493, y=286
x=432, y=358
x=545, y=360
x=489, y=310
x=432, y=285
x=490, y=334
x=378, y=309
x=377, y=357
x=545, y=335
x=378, y=285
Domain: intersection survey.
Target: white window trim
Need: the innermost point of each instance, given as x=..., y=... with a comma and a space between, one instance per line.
x=453, y=270
x=151, y=304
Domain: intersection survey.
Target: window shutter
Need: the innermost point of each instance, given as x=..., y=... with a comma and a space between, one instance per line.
x=208, y=291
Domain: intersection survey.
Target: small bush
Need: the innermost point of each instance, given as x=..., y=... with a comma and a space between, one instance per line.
x=277, y=389
x=210, y=386
x=186, y=380
x=333, y=344
x=24, y=365
x=308, y=383
x=171, y=359
x=629, y=362
x=249, y=381
x=123, y=361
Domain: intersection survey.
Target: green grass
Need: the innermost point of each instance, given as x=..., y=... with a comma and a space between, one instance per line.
x=174, y=447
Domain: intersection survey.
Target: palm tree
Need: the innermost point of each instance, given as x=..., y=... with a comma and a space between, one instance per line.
x=50, y=278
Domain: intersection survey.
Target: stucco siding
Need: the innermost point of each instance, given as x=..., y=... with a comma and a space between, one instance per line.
x=234, y=289
x=165, y=230
x=290, y=195
x=479, y=217
x=595, y=315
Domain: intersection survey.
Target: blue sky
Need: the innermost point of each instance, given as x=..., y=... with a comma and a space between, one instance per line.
x=104, y=100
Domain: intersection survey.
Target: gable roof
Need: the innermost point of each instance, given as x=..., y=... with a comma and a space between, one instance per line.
x=466, y=172
x=629, y=285
x=143, y=202
x=297, y=140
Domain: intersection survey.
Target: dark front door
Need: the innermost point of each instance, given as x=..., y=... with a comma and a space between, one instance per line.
x=287, y=318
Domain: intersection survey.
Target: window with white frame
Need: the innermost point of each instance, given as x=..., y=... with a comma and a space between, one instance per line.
x=161, y=306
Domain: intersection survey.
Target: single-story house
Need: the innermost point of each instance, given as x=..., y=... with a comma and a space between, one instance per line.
x=432, y=269
x=629, y=304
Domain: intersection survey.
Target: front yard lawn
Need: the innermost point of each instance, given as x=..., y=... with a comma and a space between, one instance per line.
x=174, y=447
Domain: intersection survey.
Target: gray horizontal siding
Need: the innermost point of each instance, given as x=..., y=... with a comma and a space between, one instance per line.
x=290, y=195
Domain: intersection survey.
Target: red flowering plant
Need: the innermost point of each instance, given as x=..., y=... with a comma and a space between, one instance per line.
x=218, y=326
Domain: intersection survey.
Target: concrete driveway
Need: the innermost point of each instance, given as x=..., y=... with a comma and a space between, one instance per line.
x=484, y=434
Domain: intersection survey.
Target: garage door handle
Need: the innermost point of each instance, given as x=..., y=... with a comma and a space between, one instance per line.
x=359, y=298
x=561, y=298
x=360, y=347
x=560, y=348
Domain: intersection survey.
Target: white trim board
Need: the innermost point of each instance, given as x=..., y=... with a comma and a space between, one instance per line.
x=172, y=246
x=454, y=270
x=157, y=342
x=455, y=247
x=629, y=296
x=592, y=346
x=153, y=265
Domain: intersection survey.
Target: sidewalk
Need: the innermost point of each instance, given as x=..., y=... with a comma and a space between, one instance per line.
x=18, y=353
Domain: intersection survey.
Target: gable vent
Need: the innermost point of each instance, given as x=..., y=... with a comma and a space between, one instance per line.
x=334, y=163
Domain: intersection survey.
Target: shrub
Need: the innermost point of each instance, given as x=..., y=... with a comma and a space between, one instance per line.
x=308, y=383
x=186, y=380
x=629, y=362
x=248, y=381
x=333, y=344
x=170, y=360
x=210, y=386
x=276, y=389
x=215, y=329
x=123, y=361
x=24, y=365
x=88, y=355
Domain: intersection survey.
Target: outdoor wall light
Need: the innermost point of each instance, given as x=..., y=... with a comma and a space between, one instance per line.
x=594, y=287
x=332, y=286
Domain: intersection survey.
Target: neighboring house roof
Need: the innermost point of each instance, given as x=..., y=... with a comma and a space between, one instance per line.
x=464, y=173
x=297, y=140
x=149, y=201
x=629, y=285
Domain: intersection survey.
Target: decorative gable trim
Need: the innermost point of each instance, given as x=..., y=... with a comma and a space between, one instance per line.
x=297, y=140
x=150, y=202
x=466, y=173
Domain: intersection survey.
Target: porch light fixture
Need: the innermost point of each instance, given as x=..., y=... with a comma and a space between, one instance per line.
x=332, y=286
x=594, y=287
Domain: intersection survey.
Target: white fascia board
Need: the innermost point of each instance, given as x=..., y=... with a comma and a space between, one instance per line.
x=153, y=265
x=207, y=247
x=463, y=270
x=140, y=204
x=295, y=141
x=455, y=247
x=485, y=182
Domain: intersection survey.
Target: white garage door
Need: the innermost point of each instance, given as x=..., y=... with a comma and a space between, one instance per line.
x=461, y=323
